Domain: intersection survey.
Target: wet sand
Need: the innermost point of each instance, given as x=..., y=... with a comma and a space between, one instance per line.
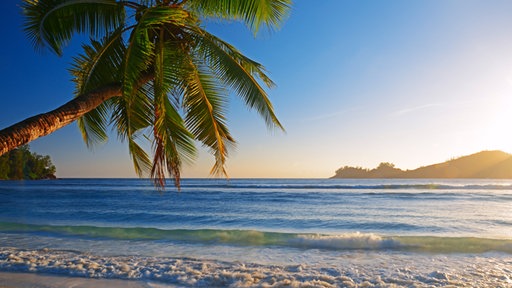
x=33, y=280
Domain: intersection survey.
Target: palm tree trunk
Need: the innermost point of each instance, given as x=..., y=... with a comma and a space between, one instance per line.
x=43, y=124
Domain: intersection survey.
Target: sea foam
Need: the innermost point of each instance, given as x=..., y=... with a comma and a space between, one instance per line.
x=346, y=241
x=384, y=270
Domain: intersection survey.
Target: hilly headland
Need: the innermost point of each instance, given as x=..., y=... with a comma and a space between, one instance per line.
x=484, y=164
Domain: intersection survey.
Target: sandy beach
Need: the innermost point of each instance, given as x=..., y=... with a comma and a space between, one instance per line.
x=26, y=280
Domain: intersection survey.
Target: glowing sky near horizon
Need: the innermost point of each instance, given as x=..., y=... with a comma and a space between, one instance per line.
x=359, y=83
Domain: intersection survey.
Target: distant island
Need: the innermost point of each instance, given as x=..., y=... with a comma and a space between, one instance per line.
x=485, y=164
x=21, y=164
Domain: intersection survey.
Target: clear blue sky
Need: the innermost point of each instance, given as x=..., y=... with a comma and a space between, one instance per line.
x=359, y=83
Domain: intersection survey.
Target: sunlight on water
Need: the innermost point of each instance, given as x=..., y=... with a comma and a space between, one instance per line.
x=321, y=232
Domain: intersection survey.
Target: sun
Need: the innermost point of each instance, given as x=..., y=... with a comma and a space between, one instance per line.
x=498, y=132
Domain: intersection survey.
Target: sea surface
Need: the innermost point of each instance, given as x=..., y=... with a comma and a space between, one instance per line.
x=262, y=232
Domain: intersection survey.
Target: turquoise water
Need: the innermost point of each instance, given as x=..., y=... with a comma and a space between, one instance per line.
x=379, y=232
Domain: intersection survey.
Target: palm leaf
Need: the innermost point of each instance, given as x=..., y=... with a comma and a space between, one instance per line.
x=205, y=114
x=137, y=60
x=167, y=63
x=130, y=119
x=254, y=13
x=97, y=66
x=140, y=158
x=52, y=23
x=133, y=115
x=172, y=142
x=238, y=72
x=93, y=125
x=140, y=52
x=140, y=57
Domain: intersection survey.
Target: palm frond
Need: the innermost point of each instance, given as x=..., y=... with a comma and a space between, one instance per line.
x=137, y=59
x=254, y=13
x=98, y=65
x=172, y=142
x=130, y=118
x=238, y=72
x=159, y=15
x=175, y=78
x=140, y=51
x=140, y=58
x=159, y=137
x=205, y=114
x=94, y=124
x=52, y=23
x=140, y=158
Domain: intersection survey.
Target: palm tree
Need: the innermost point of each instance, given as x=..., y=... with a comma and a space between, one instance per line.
x=153, y=73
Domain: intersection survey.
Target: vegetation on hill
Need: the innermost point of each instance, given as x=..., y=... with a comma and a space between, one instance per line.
x=20, y=163
x=384, y=170
x=485, y=164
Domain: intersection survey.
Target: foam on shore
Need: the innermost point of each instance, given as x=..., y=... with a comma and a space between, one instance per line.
x=30, y=280
x=187, y=272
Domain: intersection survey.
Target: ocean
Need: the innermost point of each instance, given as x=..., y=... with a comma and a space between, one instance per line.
x=262, y=232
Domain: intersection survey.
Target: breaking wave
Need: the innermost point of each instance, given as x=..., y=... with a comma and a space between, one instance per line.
x=346, y=241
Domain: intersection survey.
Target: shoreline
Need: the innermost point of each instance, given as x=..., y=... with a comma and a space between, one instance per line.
x=45, y=268
x=41, y=280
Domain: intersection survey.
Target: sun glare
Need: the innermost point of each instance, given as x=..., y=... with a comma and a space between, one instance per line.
x=498, y=134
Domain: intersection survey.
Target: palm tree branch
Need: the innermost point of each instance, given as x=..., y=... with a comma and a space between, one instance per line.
x=237, y=71
x=253, y=13
x=93, y=125
x=100, y=62
x=54, y=22
x=140, y=51
x=140, y=158
x=205, y=116
x=157, y=171
x=172, y=141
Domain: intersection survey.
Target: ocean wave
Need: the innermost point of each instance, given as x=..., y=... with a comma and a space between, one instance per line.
x=217, y=185
x=345, y=241
x=284, y=186
x=349, y=241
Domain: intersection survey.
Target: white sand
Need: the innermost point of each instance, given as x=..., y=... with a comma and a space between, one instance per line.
x=32, y=280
